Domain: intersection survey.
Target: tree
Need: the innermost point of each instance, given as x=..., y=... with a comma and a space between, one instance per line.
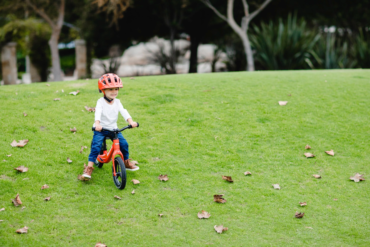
x=242, y=30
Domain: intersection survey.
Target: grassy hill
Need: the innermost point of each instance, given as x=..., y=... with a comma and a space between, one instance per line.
x=195, y=128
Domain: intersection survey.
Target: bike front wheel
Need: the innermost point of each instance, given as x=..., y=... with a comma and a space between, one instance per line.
x=120, y=178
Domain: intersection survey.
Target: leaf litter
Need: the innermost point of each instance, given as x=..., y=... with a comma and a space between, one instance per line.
x=299, y=215
x=75, y=92
x=331, y=152
x=203, y=215
x=357, y=178
x=276, y=186
x=163, y=177
x=220, y=229
x=117, y=197
x=22, y=230
x=219, y=198
x=73, y=129
x=69, y=160
x=82, y=149
x=227, y=178
x=302, y=204
x=307, y=147
x=316, y=176
x=45, y=186
x=21, y=169
x=283, y=102
x=90, y=109
x=134, y=181
x=247, y=173
x=17, y=201
x=47, y=198
x=100, y=245
x=309, y=155
x=21, y=143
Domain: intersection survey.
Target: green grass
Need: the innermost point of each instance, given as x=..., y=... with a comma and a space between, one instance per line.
x=201, y=127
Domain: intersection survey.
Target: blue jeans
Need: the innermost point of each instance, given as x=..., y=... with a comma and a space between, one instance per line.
x=97, y=141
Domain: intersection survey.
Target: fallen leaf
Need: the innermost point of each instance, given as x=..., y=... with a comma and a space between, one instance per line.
x=2, y=209
x=62, y=91
x=22, y=230
x=309, y=227
x=299, y=215
x=276, y=186
x=163, y=177
x=283, y=102
x=133, y=192
x=90, y=109
x=307, y=147
x=4, y=160
x=17, y=201
x=21, y=143
x=73, y=129
x=247, y=173
x=220, y=229
x=100, y=245
x=156, y=158
x=69, y=160
x=357, y=178
x=331, y=152
x=82, y=178
x=23, y=208
x=47, y=198
x=303, y=204
x=21, y=169
x=8, y=155
x=316, y=176
x=25, y=178
x=135, y=181
x=45, y=186
x=160, y=215
x=117, y=197
x=56, y=99
x=309, y=155
x=48, y=85
x=24, y=114
x=289, y=95
x=74, y=93
x=227, y=178
x=203, y=215
x=82, y=149
x=1, y=220
x=219, y=199
x=335, y=199
x=16, y=93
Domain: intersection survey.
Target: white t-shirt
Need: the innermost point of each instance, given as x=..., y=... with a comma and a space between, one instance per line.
x=108, y=114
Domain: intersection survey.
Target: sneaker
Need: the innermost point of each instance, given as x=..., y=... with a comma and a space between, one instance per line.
x=87, y=171
x=131, y=165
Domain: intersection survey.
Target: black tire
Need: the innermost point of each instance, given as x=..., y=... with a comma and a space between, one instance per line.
x=120, y=178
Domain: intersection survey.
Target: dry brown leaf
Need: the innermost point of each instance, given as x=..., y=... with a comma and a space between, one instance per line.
x=1, y=220
x=156, y=158
x=100, y=245
x=24, y=114
x=309, y=155
x=283, y=102
x=357, y=178
x=117, y=197
x=23, y=207
x=56, y=99
x=309, y=227
x=219, y=199
x=247, y=173
x=220, y=229
x=316, y=176
x=74, y=93
x=47, y=198
x=227, y=178
x=21, y=169
x=17, y=201
x=160, y=215
x=45, y=186
x=82, y=149
x=134, y=181
x=307, y=147
x=335, y=199
x=48, y=85
x=133, y=192
x=276, y=186
x=22, y=230
x=8, y=155
x=69, y=160
x=82, y=178
x=73, y=129
x=21, y=143
x=90, y=109
x=203, y=215
x=303, y=204
x=2, y=209
x=299, y=215
x=331, y=152
x=163, y=177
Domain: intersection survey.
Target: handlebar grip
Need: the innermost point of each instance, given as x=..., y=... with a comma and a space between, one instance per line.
x=137, y=125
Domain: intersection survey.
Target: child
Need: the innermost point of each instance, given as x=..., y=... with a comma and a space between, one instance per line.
x=106, y=115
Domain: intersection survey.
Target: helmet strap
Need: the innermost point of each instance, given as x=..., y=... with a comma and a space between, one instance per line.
x=109, y=100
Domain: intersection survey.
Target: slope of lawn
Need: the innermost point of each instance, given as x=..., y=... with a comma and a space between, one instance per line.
x=195, y=128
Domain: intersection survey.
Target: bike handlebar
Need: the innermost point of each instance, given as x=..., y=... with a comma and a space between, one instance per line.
x=117, y=130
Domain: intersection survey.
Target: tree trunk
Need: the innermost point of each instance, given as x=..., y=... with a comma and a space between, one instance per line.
x=248, y=52
x=194, y=43
x=172, y=51
x=55, y=61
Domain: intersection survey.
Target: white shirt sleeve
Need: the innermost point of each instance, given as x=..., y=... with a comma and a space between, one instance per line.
x=123, y=111
x=98, y=110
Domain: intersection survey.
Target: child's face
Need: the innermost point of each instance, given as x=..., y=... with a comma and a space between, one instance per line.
x=111, y=92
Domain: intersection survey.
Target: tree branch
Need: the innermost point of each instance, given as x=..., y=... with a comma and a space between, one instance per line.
x=231, y=20
x=256, y=12
x=246, y=8
x=209, y=5
x=41, y=13
x=61, y=14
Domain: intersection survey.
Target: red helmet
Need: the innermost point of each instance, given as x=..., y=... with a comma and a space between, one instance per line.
x=109, y=80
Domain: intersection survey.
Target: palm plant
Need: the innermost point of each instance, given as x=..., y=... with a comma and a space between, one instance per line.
x=284, y=45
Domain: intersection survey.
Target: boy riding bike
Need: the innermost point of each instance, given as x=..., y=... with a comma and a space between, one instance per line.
x=106, y=116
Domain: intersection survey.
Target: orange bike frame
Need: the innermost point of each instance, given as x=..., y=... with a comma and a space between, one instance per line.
x=113, y=152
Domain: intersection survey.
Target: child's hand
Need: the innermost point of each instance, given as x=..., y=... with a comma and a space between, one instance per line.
x=134, y=124
x=98, y=127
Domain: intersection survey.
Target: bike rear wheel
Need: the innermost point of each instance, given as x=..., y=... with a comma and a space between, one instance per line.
x=120, y=178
